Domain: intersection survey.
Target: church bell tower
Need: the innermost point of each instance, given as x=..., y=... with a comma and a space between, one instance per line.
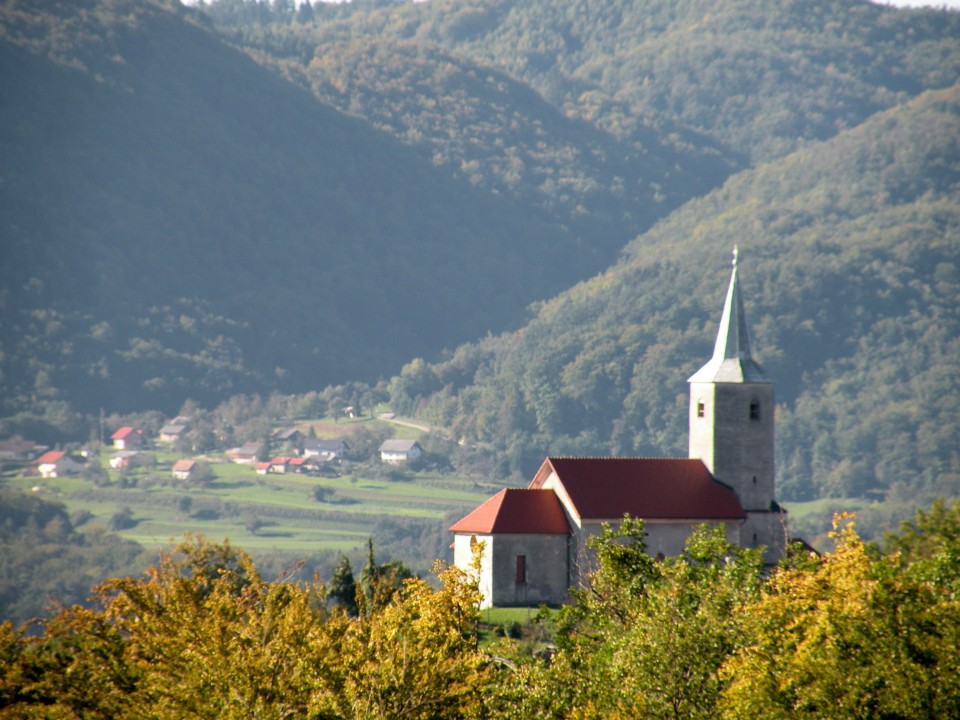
x=731, y=425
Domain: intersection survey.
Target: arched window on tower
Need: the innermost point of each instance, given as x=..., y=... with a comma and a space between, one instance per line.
x=701, y=408
x=754, y=410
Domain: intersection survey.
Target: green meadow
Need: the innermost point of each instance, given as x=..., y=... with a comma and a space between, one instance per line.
x=273, y=512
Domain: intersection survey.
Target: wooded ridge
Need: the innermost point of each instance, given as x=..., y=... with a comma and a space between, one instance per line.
x=249, y=198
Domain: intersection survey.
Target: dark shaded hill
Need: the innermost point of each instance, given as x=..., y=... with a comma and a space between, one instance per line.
x=499, y=133
x=851, y=274
x=179, y=222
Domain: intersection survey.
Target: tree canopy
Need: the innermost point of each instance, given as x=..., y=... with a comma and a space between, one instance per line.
x=707, y=634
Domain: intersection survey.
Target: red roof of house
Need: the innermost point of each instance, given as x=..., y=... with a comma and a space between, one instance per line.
x=183, y=465
x=517, y=511
x=650, y=488
x=49, y=458
x=122, y=433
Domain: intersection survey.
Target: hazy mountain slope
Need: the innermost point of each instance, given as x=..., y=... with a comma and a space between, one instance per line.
x=179, y=222
x=500, y=134
x=851, y=275
x=761, y=77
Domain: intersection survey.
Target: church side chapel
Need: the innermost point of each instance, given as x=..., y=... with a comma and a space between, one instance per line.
x=535, y=538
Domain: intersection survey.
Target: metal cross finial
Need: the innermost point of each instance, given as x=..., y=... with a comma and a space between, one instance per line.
x=736, y=252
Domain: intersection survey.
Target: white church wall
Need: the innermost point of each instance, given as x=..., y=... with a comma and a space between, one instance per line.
x=545, y=577
x=463, y=548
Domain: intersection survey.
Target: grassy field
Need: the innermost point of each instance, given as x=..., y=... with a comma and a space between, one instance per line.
x=259, y=513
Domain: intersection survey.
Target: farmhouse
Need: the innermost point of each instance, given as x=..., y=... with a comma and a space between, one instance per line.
x=396, y=451
x=246, y=454
x=290, y=437
x=534, y=540
x=127, y=438
x=183, y=469
x=325, y=449
x=54, y=464
x=172, y=432
x=17, y=448
x=128, y=458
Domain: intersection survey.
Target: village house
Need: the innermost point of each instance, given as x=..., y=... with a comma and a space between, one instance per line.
x=325, y=449
x=127, y=438
x=172, y=432
x=246, y=454
x=183, y=469
x=55, y=464
x=395, y=451
x=535, y=539
x=17, y=448
x=280, y=464
x=289, y=438
x=129, y=458
x=297, y=464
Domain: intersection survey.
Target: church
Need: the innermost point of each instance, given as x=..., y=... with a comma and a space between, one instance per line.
x=534, y=539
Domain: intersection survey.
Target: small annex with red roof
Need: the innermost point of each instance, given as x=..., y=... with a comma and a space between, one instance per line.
x=535, y=540
x=525, y=536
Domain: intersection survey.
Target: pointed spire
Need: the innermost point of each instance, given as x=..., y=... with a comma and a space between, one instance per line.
x=731, y=361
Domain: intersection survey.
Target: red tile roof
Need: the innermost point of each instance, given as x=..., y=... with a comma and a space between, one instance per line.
x=49, y=458
x=650, y=488
x=183, y=465
x=122, y=433
x=517, y=511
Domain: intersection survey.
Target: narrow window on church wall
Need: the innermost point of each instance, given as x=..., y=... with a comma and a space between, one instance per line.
x=701, y=410
x=754, y=410
x=521, y=569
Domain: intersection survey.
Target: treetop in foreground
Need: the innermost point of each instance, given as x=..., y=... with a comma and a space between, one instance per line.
x=856, y=632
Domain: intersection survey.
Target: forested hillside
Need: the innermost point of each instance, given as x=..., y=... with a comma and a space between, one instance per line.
x=179, y=222
x=849, y=226
x=250, y=197
x=760, y=78
x=850, y=274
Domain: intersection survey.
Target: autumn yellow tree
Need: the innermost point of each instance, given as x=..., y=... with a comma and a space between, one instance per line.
x=202, y=635
x=854, y=635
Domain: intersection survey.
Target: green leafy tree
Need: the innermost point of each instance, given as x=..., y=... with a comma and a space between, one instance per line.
x=929, y=545
x=647, y=638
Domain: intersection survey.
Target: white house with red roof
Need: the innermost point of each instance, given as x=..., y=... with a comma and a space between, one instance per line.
x=183, y=469
x=127, y=438
x=535, y=540
x=54, y=464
